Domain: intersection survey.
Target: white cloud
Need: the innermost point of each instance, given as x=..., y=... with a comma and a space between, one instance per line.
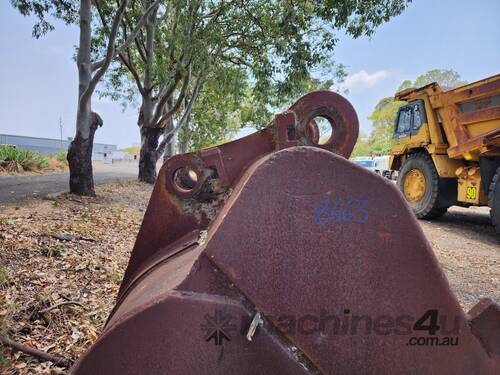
x=364, y=80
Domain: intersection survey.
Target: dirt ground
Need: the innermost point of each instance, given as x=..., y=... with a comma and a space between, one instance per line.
x=56, y=293
x=469, y=251
x=83, y=273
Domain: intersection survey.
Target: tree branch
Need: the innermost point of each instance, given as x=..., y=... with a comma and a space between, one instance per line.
x=131, y=36
x=50, y=308
x=55, y=358
x=110, y=51
x=127, y=61
x=139, y=40
x=158, y=118
x=167, y=137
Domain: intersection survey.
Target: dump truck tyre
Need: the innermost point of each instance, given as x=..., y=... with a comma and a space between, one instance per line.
x=494, y=201
x=420, y=168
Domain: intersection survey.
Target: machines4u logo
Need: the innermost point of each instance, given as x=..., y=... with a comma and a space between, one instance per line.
x=218, y=327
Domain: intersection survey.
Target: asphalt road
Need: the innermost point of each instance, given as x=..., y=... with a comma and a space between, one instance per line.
x=18, y=187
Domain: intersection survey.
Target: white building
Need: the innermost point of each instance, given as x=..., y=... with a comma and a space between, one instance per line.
x=101, y=152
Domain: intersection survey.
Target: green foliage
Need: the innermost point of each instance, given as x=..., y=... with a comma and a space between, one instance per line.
x=52, y=251
x=65, y=10
x=277, y=48
x=362, y=147
x=384, y=115
x=22, y=159
x=407, y=83
x=383, y=118
x=272, y=52
x=447, y=79
x=62, y=157
x=216, y=116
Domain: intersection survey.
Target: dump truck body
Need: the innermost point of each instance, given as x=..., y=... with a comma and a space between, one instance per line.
x=455, y=132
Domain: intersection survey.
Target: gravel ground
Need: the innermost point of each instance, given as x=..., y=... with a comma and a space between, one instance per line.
x=469, y=251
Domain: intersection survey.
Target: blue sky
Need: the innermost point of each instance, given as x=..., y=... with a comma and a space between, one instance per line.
x=38, y=79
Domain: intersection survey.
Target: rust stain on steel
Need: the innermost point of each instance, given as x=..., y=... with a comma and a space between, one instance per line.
x=170, y=214
x=278, y=246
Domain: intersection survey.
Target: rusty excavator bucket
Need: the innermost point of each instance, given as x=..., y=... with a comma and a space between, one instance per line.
x=274, y=254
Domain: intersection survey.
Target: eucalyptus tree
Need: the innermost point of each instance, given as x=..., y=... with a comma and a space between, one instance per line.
x=217, y=115
x=92, y=65
x=165, y=66
x=276, y=43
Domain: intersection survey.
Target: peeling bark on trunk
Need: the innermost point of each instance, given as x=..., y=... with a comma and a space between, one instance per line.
x=81, y=177
x=149, y=154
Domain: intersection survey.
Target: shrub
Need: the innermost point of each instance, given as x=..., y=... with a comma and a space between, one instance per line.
x=52, y=252
x=15, y=160
x=61, y=156
x=58, y=161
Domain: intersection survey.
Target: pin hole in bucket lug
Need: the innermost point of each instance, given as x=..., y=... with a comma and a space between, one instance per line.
x=185, y=178
x=191, y=182
x=319, y=130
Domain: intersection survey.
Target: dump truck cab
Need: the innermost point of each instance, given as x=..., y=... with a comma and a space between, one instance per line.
x=417, y=126
x=446, y=147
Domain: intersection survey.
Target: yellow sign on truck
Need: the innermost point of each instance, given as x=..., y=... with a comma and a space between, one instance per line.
x=446, y=147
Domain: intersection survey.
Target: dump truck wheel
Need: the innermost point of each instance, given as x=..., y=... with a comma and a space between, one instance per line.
x=494, y=201
x=419, y=182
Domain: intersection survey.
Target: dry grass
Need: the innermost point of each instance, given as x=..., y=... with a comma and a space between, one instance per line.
x=38, y=271
x=56, y=165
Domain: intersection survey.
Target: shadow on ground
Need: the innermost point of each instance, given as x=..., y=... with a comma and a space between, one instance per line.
x=473, y=223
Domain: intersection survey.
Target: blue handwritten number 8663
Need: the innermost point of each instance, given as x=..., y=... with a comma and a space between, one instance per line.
x=327, y=211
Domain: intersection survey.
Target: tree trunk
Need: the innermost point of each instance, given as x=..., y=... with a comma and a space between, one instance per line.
x=149, y=141
x=81, y=180
x=149, y=154
x=170, y=147
x=150, y=133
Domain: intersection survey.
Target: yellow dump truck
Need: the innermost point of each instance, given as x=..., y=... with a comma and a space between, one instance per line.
x=446, y=147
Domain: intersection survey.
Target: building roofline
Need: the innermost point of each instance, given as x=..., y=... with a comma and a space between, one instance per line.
x=53, y=139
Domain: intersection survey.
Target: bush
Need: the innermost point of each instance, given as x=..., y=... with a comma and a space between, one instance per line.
x=62, y=157
x=15, y=160
x=54, y=251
